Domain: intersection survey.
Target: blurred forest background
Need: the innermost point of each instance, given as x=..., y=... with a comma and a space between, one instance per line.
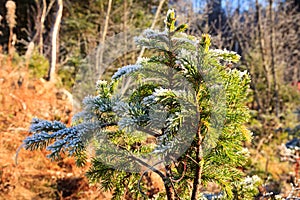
x=46, y=44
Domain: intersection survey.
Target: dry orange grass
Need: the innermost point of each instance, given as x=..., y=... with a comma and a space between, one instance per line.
x=35, y=177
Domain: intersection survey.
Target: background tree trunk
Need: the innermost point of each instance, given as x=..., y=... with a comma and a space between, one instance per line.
x=265, y=109
x=273, y=70
x=161, y=3
x=54, y=39
x=99, y=55
x=43, y=17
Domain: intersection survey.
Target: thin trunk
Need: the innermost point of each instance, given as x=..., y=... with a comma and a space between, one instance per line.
x=43, y=17
x=296, y=76
x=54, y=39
x=255, y=91
x=99, y=55
x=198, y=172
x=273, y=70
x=262, y=52
x=10, y=39
x=125, y=30
x=171, y=194
x=161, y=3
x=106, y=21
x=240, y=42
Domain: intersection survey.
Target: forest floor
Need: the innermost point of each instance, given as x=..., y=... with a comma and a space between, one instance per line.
x=35, y=177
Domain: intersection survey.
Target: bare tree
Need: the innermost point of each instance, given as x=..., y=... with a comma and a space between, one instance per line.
x=11, y=21
x=272, y=55
x=158, y=10
x=45, y=12
x=54, y=40
x=267, y=35
x=262, y=50
x=99, y=57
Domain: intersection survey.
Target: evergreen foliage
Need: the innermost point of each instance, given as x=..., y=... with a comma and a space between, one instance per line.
x=216, y=153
